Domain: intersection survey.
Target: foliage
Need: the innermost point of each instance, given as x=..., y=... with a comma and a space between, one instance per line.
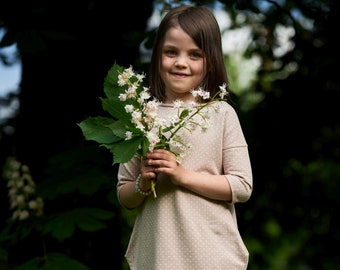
x=52, y=261
x=65, y=221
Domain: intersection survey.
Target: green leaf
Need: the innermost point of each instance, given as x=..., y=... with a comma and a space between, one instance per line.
x=52, y=261
x=89, y=219
x=118, y=128
x=164, y=130
x=145, y=146
x=125, y=150
x=63, y=225
x=78, y=170
x=90, y=225
x=97, y=213
x=75, y=181
x=116, y=109
x=96, y=129
x=3, y=254
x=111, y=81
x=184, y=113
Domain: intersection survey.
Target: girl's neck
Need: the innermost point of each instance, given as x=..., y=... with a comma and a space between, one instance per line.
x=185, y=99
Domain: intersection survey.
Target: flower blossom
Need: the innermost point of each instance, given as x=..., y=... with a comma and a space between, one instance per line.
x=23, y=200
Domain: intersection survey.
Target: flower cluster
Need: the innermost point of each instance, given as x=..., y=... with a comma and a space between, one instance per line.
x=23, y=200
x=135, y=126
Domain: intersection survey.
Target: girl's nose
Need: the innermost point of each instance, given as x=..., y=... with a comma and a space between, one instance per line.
x=180, y=62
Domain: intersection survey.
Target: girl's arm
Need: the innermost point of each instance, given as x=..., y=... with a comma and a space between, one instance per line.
x=128, y=193
x=211, y=186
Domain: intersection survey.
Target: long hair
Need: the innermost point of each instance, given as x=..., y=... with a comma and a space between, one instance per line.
x=201, y=25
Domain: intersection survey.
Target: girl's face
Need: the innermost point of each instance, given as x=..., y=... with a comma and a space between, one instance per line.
x=182, y=65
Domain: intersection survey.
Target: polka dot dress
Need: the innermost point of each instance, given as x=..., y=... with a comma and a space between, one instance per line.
x=180, y=230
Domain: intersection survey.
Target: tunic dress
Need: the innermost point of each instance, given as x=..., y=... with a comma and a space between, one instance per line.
x=181, y=230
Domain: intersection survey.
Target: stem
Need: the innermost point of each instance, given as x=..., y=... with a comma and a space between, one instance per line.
x=183, y=121
x=153, y=188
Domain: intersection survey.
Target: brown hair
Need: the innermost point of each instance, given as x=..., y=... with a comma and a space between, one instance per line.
x=201, y=25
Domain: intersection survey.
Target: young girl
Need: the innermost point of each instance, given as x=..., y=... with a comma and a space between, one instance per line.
x=192, y=222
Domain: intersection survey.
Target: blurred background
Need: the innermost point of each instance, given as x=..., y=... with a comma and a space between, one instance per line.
x=58, y=206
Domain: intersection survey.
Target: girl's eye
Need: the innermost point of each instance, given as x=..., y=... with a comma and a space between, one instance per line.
x=196, y=55
x=170, y=53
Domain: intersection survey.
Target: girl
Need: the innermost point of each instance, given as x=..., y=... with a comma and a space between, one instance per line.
x=192, y=222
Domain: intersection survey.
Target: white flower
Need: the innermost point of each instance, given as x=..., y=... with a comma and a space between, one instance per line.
x=192, y=104
x=19, y=183
x=24, y=214
x=32, y=204
x=178, y=103
x=128, y=135
x=136, y=117
x=144, y=95
x=124, y=78
x=131, y=92
x=12, y=192
x=140, y=126
x=223, y=92
x=129, y=108
x=174, y=119
x=14, y=204
x=200, y=93
x=20, y=200
x=151, y=108
x=122, y=97
x=14, y=165
x=28, y=189
x=140, y=77
x=21, y=191
x=153, y=139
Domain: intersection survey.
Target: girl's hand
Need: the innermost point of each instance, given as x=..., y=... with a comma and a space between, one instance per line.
x=163, y=161
x=147, y=170
x=148, y=175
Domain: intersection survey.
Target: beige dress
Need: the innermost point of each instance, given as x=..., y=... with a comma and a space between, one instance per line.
x=180, y=230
